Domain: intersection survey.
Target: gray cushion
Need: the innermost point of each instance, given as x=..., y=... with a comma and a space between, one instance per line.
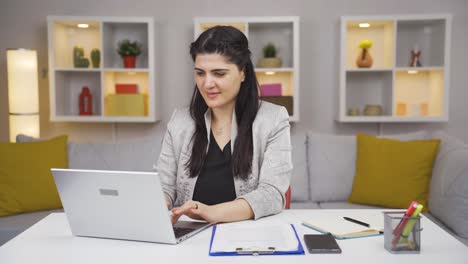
x=345, y=205
x=137, y=155
x=448, y=195
x=332, y=163
x=304, y=205
x=299, y=178
x=134, y=155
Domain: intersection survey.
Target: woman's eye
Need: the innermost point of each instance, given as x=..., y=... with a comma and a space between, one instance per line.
x=199, y=73
x=219, y=74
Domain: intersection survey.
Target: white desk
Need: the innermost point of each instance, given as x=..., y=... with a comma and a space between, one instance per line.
x=50, y=241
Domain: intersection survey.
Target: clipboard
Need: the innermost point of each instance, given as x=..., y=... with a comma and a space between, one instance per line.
x=257, y=251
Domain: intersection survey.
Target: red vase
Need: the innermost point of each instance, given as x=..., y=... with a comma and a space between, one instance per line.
x=86, y=102
x=129, y=61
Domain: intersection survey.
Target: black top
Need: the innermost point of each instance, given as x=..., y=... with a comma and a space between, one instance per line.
x=215, y=184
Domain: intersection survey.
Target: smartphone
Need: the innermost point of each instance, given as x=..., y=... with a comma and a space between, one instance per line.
x=323, y=243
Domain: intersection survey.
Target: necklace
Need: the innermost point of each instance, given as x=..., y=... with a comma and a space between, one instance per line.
x=218, y=131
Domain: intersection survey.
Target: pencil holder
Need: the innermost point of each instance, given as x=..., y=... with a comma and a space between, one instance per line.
x=402, y=235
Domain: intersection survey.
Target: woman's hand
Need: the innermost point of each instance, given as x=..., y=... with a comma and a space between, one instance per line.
x=195, y=210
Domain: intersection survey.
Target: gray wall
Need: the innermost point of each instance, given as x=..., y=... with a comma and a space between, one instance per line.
x=23, y=24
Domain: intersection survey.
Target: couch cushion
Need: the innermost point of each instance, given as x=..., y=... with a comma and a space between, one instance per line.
x=135, y=155
x=331, y=163
x=304, y=205
x=448, y=199
x=11, y=226
x=26, y=183
x=299, y=177
x=346, y=205
x=132, y=155
x=392, y=173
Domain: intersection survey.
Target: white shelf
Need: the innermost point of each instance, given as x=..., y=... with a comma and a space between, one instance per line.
x=406, y=94
x=103, y=33
x=391, y=119
x=108, y=119
x=127, y=70
x=77, y=70
x=274, y=69
x=370, y=70
x=283, y=31
x=419, y=68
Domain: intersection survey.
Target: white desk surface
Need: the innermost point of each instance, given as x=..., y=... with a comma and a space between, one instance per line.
x=50, y=241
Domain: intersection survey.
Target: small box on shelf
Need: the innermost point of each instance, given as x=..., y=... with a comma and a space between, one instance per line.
x=270, y=89
x=125, y=88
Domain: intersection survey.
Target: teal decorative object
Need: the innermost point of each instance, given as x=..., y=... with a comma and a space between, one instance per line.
x=95, y=58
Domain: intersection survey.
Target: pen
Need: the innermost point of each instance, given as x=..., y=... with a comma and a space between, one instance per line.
x=356, y=221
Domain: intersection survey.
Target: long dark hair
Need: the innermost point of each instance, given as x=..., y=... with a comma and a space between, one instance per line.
x=231, y=43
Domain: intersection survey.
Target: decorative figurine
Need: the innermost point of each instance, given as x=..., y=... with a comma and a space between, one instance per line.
x=96, y=58
x=364, y=60
x=85, y=102
x=415, y=57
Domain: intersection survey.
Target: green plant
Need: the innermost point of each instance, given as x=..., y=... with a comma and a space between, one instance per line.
x=129, y=48
x=269, y=51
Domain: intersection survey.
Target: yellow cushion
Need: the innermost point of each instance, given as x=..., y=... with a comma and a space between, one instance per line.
x=26, y=183
x=392, y=173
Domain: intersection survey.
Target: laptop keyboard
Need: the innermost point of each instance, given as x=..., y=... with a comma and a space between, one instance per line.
x=181, y=231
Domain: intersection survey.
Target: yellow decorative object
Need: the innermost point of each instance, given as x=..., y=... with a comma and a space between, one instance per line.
x=365, y=44
x=125, y=105
x=392, y=173
x=424, y=111
x=401, y=109
x=26, y=183
x=364, y=60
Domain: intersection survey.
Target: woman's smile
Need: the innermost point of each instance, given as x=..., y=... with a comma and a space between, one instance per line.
x=212, y=95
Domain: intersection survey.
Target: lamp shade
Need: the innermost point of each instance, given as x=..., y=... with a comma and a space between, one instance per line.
x=23, y=92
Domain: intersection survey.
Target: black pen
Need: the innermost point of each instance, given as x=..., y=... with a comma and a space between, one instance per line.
x=356, y=221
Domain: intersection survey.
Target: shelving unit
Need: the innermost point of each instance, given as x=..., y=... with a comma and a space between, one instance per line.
x=103, y=33
x=283, y=32
x=405, y=94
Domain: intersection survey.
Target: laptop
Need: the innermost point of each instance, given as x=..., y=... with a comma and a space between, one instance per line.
x=120, y=205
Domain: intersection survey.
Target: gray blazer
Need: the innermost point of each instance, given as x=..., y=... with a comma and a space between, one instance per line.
x=265, y=187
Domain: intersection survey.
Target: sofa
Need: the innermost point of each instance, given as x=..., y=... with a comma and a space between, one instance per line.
x=322, y=178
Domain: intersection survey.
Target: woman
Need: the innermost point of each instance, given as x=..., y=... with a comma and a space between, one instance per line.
x=228, y=157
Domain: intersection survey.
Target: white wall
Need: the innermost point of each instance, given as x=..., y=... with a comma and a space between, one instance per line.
x=23, y=24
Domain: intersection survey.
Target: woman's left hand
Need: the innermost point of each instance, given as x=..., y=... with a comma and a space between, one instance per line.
x=195, y=210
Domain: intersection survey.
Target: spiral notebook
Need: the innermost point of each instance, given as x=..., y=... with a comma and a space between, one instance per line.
x=235, y=239
x=333, y=222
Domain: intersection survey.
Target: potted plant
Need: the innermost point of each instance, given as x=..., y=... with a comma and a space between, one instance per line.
x=128, y=50
x=269, y=59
